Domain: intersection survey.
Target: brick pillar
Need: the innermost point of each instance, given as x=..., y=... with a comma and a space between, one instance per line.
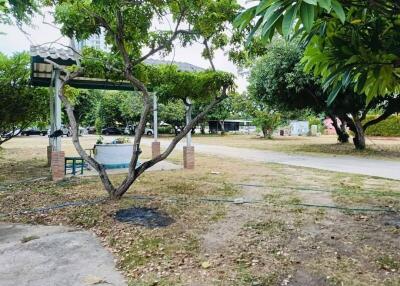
x=57, y=165
x=49, y=150
x=155, y=149
x=188, y=157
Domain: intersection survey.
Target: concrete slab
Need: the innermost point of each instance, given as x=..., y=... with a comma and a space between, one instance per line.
x=32, y=255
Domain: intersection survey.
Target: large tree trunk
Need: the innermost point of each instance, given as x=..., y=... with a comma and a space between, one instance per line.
x=264, y=132
x=356, y=127
x=341, y=132
x=267, y=133
x=359, y=138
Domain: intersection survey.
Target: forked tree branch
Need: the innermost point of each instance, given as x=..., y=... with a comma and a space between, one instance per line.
x=74, y=126
x=188, y=128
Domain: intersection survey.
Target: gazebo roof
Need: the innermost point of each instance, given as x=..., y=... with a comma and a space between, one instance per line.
x=41, y=71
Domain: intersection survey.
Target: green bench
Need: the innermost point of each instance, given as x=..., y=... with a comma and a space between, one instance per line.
x=74, y=163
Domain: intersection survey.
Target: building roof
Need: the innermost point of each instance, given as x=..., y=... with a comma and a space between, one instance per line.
x=54, y=53
x=41, y=71
x=182, y=66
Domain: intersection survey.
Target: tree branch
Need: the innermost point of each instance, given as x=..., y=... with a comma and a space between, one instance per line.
x=380, y=118
x=174, y=35
x=188, y=128
x=205, y=42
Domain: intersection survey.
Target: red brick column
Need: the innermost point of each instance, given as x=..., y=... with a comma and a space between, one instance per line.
x=155, y=149
x=57, y=165
x=188, y=157
x=49, y=150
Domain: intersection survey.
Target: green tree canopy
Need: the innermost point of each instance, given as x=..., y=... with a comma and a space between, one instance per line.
x=19, y=10
x=21, y=105
x=348, y=43
x=278, y=81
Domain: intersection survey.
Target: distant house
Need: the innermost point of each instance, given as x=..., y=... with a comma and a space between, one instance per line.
x=299, y=128
x=329, y=129
x=231, y=125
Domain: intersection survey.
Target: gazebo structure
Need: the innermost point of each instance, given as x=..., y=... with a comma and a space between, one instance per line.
x=45, y=74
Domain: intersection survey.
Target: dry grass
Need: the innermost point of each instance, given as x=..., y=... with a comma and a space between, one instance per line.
x=283, y=243
x=388, y=148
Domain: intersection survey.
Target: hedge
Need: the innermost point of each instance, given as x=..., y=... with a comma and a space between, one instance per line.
x=165, y=130
x=389, y=127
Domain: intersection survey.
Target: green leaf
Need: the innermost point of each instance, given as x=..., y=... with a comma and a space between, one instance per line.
x=253, y=31
x=263, y=6
x=334, y=94
x=312, y=2
x=289, y=19
x=269, y=25
x=307, y=15
x=325, y=4
x=244, y=18
x=337, y=7
x=361, y=82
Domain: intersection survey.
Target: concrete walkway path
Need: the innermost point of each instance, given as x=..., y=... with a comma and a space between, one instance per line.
x=35, y=255
x=346, y=164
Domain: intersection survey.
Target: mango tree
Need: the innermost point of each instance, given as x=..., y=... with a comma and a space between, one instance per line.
x=129, y=30
x=350, y=44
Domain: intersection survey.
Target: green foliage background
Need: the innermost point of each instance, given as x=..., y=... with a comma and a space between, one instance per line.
x=389, y=127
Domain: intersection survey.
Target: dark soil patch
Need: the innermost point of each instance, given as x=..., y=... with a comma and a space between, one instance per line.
x=148, y=217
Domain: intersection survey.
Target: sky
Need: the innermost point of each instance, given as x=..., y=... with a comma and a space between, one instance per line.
x=43, y=31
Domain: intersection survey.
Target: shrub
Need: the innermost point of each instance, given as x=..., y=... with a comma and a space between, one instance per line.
x=387, y=127
x=98, y=124
x=314, y=120
x=165, y=130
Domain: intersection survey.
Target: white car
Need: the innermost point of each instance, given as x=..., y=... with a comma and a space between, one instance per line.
x=130, y=130
x=16, y=132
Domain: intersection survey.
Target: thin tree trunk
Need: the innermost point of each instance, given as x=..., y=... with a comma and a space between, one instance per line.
x=222, y=125
x=202, y=128
x=341, y=132
x=75, y=140
x=359, y=139
x=264, y=132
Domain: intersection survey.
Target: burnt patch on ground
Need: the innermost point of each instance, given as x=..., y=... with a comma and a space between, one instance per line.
x=147, y=217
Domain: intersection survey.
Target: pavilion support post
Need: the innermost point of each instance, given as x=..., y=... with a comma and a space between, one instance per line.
x=57, y=165
x=188, y=150
x=51, y=101
x=57, y=111
x=57, y=156
x=155, y=145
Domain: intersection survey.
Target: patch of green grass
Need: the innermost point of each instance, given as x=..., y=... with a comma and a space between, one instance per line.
x=85, y=216
x=391, y=281
x=226, y=190
x=270, y=226
x=334, y=281
x=293, y=201
x=26, y=239
x=388, y=263
x=141, y=252
x=218, y=215
x=320, y=213
x=155, y=282
x=246, y=278
x=272, y=198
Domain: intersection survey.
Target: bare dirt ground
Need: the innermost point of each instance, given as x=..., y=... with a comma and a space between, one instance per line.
x=291, y=226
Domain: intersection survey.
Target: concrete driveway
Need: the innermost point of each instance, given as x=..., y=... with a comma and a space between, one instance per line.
x=34, y=255
x=346, y=164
